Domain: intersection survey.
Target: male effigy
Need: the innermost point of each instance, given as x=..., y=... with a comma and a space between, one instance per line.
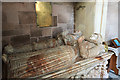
x=43, y=58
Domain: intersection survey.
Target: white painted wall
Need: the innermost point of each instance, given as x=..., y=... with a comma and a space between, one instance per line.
x=112, y=21
x=98, y=11
x=84, y=18
x=101, y=17
x=104, y=19
x=91, y=19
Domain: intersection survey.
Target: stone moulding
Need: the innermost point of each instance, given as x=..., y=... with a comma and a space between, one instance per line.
x=88, y=68
x=82, y=68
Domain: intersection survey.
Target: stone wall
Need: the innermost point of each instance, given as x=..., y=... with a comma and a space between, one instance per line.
x=19, y=22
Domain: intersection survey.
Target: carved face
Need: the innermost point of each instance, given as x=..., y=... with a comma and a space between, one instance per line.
x=94, y=36
x=97, y=38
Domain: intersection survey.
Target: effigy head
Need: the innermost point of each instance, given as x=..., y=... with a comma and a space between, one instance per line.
x=96, y=38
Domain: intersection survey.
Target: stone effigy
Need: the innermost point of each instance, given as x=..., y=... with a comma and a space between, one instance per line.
x=56, y=58
x=49, y=43
x=71, y=39
x=37, y=63
x=11, y=49
x=90, y=49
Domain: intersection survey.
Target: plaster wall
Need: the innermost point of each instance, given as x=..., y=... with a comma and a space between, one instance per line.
x=112, y=21
x=84, y=18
